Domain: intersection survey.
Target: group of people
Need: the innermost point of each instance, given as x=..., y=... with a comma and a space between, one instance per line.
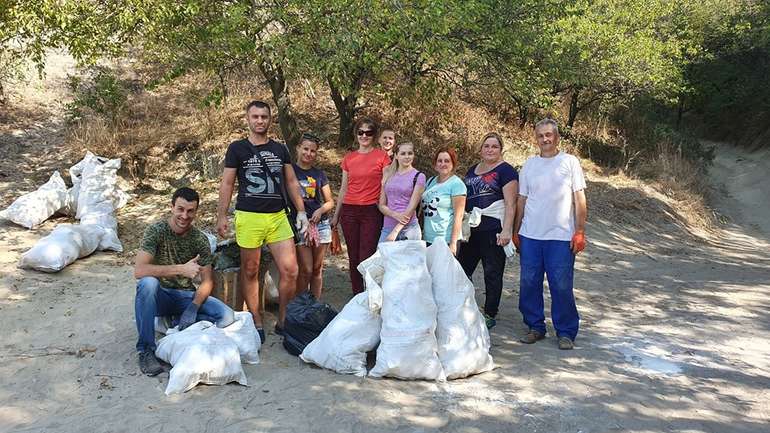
x=289, y=207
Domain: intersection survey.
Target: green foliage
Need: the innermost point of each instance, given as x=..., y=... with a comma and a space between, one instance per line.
x=728, y=85
x=97, y=91
x=521, y=60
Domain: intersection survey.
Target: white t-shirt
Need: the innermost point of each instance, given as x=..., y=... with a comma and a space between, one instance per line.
x=549, y=184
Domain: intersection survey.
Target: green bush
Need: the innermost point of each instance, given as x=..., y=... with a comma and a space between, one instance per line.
x=97, y=91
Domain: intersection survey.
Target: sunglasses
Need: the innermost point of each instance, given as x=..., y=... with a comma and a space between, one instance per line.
x=366, y=132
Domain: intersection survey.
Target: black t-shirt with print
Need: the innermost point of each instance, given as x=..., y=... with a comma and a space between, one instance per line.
x=257, y=191
x=310, y=184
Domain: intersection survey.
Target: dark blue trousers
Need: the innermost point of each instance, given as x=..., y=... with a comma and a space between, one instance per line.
x=554, y=259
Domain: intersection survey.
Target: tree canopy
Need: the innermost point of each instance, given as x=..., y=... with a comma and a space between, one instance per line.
x=520, y=59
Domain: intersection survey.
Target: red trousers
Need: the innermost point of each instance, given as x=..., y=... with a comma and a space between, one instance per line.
x=361, y=226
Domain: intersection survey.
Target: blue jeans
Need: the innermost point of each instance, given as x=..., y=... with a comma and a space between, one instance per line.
x=408, y=233
x=154, y=300
x=555, y=259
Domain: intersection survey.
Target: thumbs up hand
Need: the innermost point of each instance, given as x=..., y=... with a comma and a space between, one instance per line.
x=191, y=269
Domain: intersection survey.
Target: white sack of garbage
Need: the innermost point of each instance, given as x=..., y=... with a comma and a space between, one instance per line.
x=244, y=334
x=98, y=196
x=202, y=353
x=463, y=338
x=343, y=344
x=242, y=331
x=65, y=244
x=33, y=208
x=408, y=348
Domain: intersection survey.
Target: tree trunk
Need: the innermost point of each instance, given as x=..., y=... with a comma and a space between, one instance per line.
x=279, y=88
x=679, y=111
x=346, y=108
x=574, y=108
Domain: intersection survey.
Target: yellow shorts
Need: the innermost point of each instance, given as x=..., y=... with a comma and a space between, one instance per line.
x=253, y=229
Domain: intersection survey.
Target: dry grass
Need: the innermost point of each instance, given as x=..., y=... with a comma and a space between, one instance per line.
x=680, y=179
x=168, y=139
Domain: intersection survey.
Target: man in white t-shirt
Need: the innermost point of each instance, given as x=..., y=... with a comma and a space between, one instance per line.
x=549, y=231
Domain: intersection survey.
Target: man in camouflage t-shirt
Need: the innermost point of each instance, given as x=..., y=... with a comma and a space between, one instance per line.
x=172, y=254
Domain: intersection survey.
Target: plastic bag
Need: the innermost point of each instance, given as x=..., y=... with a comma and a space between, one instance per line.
x=343, y=344
x=463, y=338
x=33, y=208
x=65, y=244
x=305, y=319
x=202, y=353
x=408, y=348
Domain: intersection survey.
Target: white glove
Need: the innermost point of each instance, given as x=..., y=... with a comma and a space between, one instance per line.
x=302, y=223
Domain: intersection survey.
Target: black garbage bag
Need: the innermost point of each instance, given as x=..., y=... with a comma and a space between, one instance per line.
x=305, y=319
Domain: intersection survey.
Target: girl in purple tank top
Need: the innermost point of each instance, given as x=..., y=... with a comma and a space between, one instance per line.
x=400, y=195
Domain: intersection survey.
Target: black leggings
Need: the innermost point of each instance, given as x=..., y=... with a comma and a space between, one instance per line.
x=482, y=245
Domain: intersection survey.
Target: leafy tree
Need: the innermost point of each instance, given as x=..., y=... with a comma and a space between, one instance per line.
x=380, y=44
x=614, y=50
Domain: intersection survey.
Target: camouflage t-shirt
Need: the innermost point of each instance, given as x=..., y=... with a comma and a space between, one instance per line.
x=169, y=248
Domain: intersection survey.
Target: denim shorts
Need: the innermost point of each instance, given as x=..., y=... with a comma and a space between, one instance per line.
x=324, y=233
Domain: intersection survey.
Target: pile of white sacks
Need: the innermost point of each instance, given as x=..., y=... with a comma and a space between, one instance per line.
x=203, y=353
x=419, y=307
x=93, y=199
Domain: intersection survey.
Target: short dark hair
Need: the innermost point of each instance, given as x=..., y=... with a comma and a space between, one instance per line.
x=259, y=104
x=366, y=121
x=186, y=193
x=384, y=128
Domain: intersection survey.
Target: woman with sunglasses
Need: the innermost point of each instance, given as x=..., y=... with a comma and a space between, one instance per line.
x=492, y=184
x=356, y=209
x=443, y=202
x=402, y=188
x=317, y=196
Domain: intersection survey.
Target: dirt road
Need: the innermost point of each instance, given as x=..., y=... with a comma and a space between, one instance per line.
x=674, y=337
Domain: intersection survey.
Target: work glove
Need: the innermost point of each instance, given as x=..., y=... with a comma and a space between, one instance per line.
x=302, y=223
x=578, y=242
x=189, y=316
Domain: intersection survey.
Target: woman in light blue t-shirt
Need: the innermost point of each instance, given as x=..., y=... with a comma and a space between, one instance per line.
x=443, y=202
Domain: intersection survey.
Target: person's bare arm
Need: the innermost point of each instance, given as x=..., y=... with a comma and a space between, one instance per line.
x=143, y=267
x=328, y=205
x=225, y=195
x=521, y=203
x=581, y=210
x=458, y=204
x=340, y=198
x=292, y=188
x=207, y=285
x=382, y=203
x=510, y=195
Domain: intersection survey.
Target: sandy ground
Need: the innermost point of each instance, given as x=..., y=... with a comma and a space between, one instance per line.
x=674, y=334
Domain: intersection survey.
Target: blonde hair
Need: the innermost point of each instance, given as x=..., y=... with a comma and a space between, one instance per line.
x=393, y=167
x=494, y=135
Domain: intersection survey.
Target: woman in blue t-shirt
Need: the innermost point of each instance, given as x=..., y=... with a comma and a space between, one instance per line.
x=491, y=182
x=443, y=202
x=317, y=197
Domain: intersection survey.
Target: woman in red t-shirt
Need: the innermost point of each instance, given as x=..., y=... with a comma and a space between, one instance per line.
x=357, y=210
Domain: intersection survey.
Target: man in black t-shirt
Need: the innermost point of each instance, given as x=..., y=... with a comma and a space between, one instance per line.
x=265, y=176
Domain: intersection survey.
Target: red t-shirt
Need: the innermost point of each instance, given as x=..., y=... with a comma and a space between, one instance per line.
x=364, y=176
